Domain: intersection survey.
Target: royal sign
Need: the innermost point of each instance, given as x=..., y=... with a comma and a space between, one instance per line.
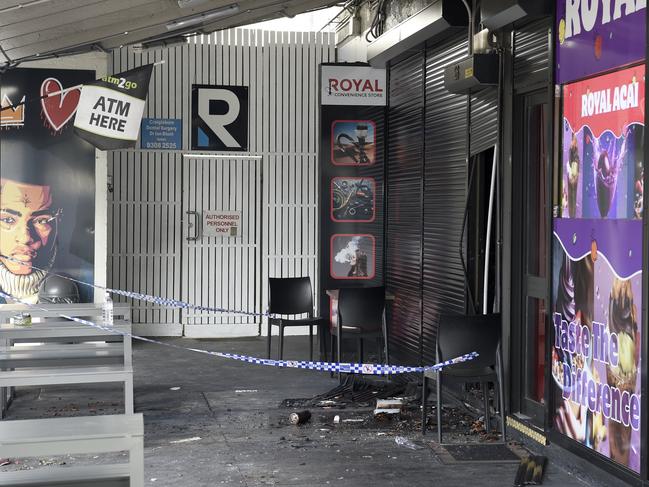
x=610, y=102
x=594, y=36
x=352, y=85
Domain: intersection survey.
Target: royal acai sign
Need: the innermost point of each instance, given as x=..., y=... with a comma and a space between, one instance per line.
x=352, y=85
x=598, y=35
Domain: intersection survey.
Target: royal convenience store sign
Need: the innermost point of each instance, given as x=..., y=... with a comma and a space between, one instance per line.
x=594, y=36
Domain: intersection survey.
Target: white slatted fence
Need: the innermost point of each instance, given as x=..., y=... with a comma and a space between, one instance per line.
x=277, y=194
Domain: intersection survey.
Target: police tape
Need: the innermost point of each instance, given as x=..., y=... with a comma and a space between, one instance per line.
x=349, y=368
x=167, y=302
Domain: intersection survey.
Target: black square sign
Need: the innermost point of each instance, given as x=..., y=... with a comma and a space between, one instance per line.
x=220, y=118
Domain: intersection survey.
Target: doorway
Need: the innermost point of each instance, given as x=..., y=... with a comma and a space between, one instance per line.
x=531, y=254
x=222, y=269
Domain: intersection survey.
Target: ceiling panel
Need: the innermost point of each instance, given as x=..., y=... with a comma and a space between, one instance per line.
x=77, y=19
x=50, y=8
x=58, y=26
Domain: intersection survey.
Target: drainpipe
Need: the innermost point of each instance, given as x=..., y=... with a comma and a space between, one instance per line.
x=471, y=21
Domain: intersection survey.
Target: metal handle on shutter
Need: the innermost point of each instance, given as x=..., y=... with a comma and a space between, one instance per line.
x=193, y=225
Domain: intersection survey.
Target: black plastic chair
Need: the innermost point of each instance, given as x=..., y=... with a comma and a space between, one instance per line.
x=361, y=315
x=291, y=296
x=458, y=335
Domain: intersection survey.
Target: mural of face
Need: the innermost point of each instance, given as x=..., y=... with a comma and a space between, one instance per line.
x=27, y=224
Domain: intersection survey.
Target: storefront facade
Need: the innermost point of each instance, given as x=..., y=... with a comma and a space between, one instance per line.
x=567, y=253
x=596, y=380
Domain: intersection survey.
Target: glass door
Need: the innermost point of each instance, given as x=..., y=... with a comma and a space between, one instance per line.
x=532, y=201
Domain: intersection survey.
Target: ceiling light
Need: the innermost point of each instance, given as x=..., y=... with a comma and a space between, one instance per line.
x=190, y=3
x=203, y=17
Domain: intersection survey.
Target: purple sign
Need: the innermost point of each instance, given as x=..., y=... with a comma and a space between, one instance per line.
x=594, y=36
x=597, y=335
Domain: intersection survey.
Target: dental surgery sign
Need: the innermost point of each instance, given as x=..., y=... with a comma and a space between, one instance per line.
x=110, y=109
x=597, y=266
x=594, y=36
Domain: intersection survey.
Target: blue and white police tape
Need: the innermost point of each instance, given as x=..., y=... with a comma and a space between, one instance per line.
x=167, y=302
x=353, y=368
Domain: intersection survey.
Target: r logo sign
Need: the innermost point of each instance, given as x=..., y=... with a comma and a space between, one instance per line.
x=219, y=118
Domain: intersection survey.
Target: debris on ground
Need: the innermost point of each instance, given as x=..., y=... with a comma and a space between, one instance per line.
x=390, y=403
x=328, y=403
x=4, y=461
x=394, y=408
x=530, y=471
x=187, y=440
x=386, y=414
x=477, y=427
x=358, y=391
x=300, y=417
x=405, y=442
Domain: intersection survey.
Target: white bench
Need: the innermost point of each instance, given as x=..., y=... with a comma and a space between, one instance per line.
x=121, y=311
x=59, y=436
x=72, y=375
x=75, y=354
x=75, y=347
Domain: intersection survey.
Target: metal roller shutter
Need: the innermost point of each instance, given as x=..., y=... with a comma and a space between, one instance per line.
x=484, y=119
x=531, y=53
x=445, y=180
x=404, y=202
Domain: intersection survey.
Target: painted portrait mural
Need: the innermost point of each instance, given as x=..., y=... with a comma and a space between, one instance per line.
x=47, y=186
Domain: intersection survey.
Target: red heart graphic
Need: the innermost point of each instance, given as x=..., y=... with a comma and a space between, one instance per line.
x=59, y=108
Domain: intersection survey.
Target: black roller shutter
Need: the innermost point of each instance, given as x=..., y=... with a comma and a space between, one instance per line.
x=404, y=203
x=531, y=53
x=484, y=119
x=445, y=180
x=426, y=193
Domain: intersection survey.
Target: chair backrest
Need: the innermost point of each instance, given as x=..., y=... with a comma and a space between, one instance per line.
x=290, y=295
x=461, y=334
x=362, y=307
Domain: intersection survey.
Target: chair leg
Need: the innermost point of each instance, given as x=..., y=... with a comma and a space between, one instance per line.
x=424, y=405
x=439, y=407
x=270, y=330
x=311, y=343
x=487, y=416
x=281, y=342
